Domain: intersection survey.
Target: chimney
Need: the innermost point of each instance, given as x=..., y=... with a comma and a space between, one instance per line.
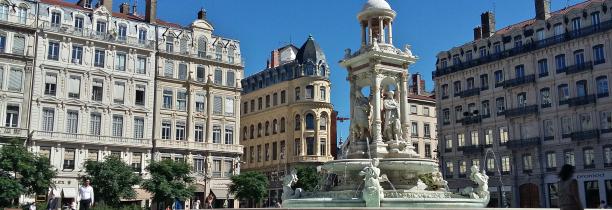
x=135, y=8
x=542, y=9
x=151, y=12
x=202, y=14
x=487, y=20
x=108, y=4
x=124, y=8
x=267, y=64
x=275, y=59
x=417, y=84
x=477, y=33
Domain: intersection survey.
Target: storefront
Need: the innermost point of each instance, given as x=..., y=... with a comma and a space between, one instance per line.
x=593, y=187
x=496, y=200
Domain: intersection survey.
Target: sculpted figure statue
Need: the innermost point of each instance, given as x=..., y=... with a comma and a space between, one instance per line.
x=288, y=181
x=372, y=192
x=361, y=117
x=393, y=129
x=209, y=161
x=439, y=181
x=482, y=180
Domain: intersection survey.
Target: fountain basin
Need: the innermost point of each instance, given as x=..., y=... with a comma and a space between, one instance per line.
x=387, y=202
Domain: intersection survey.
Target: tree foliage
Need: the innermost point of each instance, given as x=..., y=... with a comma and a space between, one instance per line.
x=22, y=172
x=113, y=180
x=428, y=180
x=251, y=186
x=169, y=180
x=308, y=178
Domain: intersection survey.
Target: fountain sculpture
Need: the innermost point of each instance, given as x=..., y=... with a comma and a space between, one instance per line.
x=379, y=167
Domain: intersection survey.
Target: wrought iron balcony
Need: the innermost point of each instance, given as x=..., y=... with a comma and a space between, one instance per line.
x=18, y=21
x=529, y=47
x=523, y=143
x=472, y=149
x=96, y=35
x=521, y=111
x=469, y=92
x=577, y=68
x=582, y=100
x=92, y=139
x=519, y=81
x=585, y=135
x=202, y=146
x=471, y=120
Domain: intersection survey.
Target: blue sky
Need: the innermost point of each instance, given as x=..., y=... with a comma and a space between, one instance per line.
x=430, y=26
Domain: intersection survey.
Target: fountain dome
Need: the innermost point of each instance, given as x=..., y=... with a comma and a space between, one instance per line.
x=376, y=4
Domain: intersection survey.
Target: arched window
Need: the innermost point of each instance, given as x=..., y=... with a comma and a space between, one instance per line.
x=184, y=45
x=274, y=126
x=298, y=123
x=230, y=54
x=309, y=92
x=252, y=131
x=267, y=128
x=202, y=42
x=323, y=122
x=309, y=69
x=297, y=93
x=245, y=132
x=282, y=125
x=218, y=51
x=310, y=124
x=323, y=70
x=323, y=93
x=259, y=130
x=602, y=87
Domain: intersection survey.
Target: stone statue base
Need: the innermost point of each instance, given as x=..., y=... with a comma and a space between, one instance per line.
x=401, y=149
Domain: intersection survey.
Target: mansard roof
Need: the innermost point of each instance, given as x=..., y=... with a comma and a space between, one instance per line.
x=310, y=51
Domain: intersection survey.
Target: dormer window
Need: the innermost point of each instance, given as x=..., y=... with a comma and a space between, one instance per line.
x=540, y=34
x=456, y=60
x=56, y=19
x=78, y=23
x=468, y=55
x=122, y=32
x=169, y=44
x=4, y=10
x=87, y=4
x=576, y=26
x=444, y=63
x=483, y=51
x=518, y=41
x=497, y=47
x=218, y=51
x=142, y=36
x=595, y=20
x=230, y=55
x=100, y=27
x=22, y=14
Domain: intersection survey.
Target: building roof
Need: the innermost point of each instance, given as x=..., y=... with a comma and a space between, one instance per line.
x=310, y=51
x=376, y=4
x=430, y=98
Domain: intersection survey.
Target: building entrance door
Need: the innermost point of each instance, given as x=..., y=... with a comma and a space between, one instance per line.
x=529, y=196
x=591, y=193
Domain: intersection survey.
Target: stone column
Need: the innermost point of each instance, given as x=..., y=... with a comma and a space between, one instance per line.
x=189, y=127
x=381, y=29
x=378, y=148
x=403, y=99
x=363, y=35
x=317, y=145
x=352, y=99
x=390, y=31
x=209, y=113
x=370, y=40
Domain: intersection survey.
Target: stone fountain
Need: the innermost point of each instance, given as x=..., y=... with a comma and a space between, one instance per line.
x=379, y=167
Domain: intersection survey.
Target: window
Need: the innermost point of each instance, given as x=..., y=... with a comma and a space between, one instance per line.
x=218, y=52
x=259, y=103
x=500, y=103
x=413, y=109
x=68, y=159
x=199, y=133
x=445, y=116
x=181, y=100
x=92, y=155
x=120, y=62
x=474, y=138
x=267, y=101
x=521, y=99
x=460, y=140
x=142, y=36
x=585, y=122
x=216, y=168
x=53, y=52
x=310, y=143
x=169, y=69
x=282, y=125
x=283, y=97
x=449, y=169
x=202, y=48
x=518, y=41
x=230, y=78
x=216, y=134
x=560, y=61
x=182, y=71
x=139, y=128
x=503, y=135
x=527, y=163
x=252, y=105
x=581, y=88
x=50, y=84
x=589, y=157
x=497, y=47
x=200, y=74
x=415, y=129
x=490, y=164
x=579, y=57
x=576, y=26
x=568, y=157
x=505, y=162
x=563, y=90
x=77, y=54
x=545, y=100
x=118, y=94
x=18, y=45
x=323, y=122
x=489, y=137
x=310, y=122
x=606, y=120
x=449, y=142
x=484, y=81
x=462, y=168
x=48, y=119
x=595, y=20
x=218, y=105
x=168, y=94
x=566, y=126
x=72, y=122
x=607, y=150
x=74, y=87
x=137, y=161
x=100, y=27
x=551, y=161
x=309, y=92
x=267, y=128
x=543, y=67
x=499, y=78
x=298, y=123
x=519, y=71
x=444, y=90
x=117, y=125
x=548, y=128
x=95, y=124
x=322, y=147
x=180, y=131
x=200, y=101
x=456, y=60
x=457, y=87
x=458, y=113
x=598, y=54
x=99, y=58
x=486, y=110
x=297, y=93
x=267, y=152
x=78, y=23
x=2, y=40
x=602, y=86
x=274, y=126
x=12, y=116
x=540, y=34
x=468, y=55
x=258, y=153
x=166, y=131
x=218, y=77
x=140, y=95
x=426, y=111
x=427, y=130
x=297, y=147
x=476, y=162
x=56, y=19
x=323, y=93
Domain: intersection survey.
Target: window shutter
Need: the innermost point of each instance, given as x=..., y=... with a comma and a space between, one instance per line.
x=229, y=106
x=18, y=45
x=74, y=85
x=169, y=69
x=119, y=91
x=15, y=79
x=199, y=98
x=98, y=83
x=51, y=79
x=218, y=104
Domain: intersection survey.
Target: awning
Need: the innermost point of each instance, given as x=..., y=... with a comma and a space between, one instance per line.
x=221, y=194
x=141, y=194
x=200, y=188
x=69, y=192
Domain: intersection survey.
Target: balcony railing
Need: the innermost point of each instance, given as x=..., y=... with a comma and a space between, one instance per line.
x=86, y=138
x=519, y=81
x=16, y=20
x=469, y=92
x=577, y=68
x=529, y=47
x=521, y=111
x=96, y=35
x=202, y=146
x=523, y=143
x=603, y=95
x=13, y=132
x=471, y=120
x=312, y=158
x=472, y=149
x=195, y=55
x=582, y=100
x=585, y=135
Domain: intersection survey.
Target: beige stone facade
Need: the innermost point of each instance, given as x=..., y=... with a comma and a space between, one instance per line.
x=522, y=101
x=423, y=125
x=286, y=114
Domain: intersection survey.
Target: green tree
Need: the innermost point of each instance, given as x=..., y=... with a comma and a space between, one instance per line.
x=428, y=180
x=308, y=178
x=22, y=172
x=113, y=178
x=169, y=180
x=250, y=186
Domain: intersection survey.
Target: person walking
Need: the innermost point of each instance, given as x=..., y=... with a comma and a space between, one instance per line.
x=86, y=195
x=196, y=205
x=568, y=189
x=52, y=202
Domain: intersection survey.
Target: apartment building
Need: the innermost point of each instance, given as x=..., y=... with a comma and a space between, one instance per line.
x=526, y=99
x=422, y=118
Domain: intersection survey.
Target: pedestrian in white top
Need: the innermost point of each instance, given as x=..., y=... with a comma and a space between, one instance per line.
x=86, y=196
